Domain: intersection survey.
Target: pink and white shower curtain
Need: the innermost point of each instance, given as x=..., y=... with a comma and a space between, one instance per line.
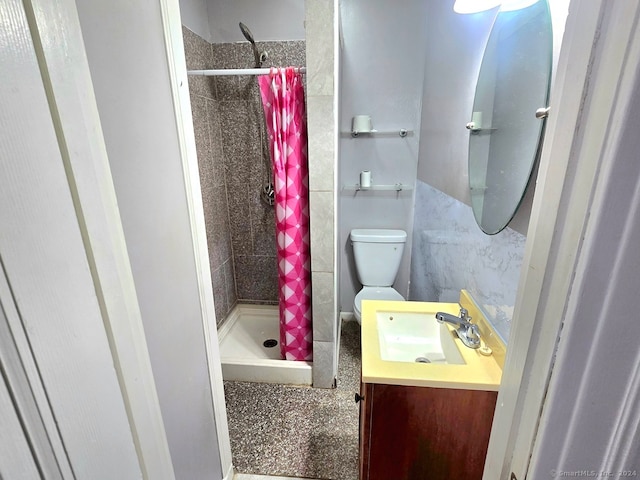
x=283, y=101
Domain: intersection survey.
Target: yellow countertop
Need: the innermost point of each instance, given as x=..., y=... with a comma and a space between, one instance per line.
x=479, y=372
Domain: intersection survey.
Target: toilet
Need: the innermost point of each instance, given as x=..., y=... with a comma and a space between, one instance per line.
x=377, y=254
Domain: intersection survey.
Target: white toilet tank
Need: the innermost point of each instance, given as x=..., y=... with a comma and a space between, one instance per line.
x=378, y=253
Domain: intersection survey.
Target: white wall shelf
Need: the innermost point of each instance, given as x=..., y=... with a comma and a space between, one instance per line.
x=398, y=187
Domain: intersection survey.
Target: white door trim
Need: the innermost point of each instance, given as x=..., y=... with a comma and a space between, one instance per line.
x=182, y=106
x=587, y=101
x=75, y=116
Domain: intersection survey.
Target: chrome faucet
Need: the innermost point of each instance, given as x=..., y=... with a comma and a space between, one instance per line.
x=466, y=331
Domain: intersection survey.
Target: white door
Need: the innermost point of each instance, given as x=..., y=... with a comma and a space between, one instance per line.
x=16, y=461
x=57, y=321
x=29, y=442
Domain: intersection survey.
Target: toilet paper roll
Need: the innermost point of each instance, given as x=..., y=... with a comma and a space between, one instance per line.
x=361, y=124
x=365, y=179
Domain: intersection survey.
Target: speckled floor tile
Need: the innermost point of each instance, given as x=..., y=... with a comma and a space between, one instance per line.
x=299, y=431
x=242, y=476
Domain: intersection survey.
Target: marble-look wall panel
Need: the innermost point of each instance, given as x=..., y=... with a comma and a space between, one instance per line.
x=207, y=129
x=450, y=253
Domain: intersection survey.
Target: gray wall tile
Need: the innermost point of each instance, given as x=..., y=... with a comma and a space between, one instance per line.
x=319, y=25
x=217, y=225
x=256, y=277
x=284, y=54
x=321, y=206
x=240, y=139
x=207, y=131
x=324, y=317
x=239, y=214
x=216, y=164
x=323, y=364
x=203, y=142
x=224, y=56
x=230, y=283
x=198, y=57
x=263, y=222
x=321, y=143
x=219, y=295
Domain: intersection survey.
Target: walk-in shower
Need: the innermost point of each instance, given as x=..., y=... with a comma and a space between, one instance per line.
x=235, y=170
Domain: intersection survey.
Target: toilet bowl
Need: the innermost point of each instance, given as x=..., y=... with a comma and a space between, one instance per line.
x=374, y=293
x=377, y=254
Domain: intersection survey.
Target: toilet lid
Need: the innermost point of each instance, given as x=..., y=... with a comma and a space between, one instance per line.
x=375, y=293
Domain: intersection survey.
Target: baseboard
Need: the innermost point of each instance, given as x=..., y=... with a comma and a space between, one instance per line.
x=348, y=317
x=230, y=473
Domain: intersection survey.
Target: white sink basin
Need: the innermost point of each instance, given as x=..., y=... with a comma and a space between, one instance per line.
x=416, y=337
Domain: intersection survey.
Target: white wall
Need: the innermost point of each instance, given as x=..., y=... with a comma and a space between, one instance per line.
x=195, y=17
x=382, y=75
x=273, y=20
x=125, y=48
x=452, y=64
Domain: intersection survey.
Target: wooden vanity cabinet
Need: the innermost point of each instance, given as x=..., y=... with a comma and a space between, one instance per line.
x=423, y=433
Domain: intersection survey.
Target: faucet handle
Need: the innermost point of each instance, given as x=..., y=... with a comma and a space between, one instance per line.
x=473, y=333
x=464, y=314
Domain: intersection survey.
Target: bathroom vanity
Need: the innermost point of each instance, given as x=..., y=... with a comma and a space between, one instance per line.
x=424, y=420
x=423, y=433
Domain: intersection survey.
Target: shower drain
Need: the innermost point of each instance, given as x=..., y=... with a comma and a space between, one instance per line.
x=270, y=343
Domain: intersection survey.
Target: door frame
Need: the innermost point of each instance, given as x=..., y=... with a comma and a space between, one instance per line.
x=174, y=48
x=588, y=100
x=593, y=48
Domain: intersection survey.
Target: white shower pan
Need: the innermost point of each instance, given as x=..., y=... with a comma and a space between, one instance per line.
x=243, y=354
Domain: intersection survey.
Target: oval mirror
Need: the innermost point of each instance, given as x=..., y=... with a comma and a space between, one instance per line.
x=504, y=131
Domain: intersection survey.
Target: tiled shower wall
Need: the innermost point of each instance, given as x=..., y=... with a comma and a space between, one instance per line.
x=233, y=158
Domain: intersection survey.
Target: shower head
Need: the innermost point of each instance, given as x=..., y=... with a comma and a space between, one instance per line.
x=247, y=33
x=249, y=36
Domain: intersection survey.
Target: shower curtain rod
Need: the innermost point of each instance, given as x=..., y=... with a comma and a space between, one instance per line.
x=238, y=71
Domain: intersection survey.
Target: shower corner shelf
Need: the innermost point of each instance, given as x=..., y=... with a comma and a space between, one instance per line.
x=398, y=187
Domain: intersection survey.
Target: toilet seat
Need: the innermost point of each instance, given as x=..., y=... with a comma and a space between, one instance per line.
x=374, y=293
